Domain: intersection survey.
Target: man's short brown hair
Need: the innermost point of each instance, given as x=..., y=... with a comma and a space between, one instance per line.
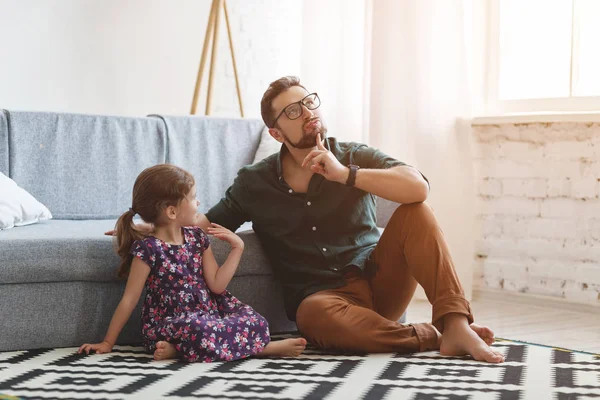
x=275, y=89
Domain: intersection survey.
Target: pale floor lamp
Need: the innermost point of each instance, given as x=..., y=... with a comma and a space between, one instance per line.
x=212, y=31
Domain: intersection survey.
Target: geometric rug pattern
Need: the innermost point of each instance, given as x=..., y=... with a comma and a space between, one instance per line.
x=529, y=372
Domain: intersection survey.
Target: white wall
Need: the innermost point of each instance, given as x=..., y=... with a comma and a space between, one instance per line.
x=539, y=208
x=137, y=57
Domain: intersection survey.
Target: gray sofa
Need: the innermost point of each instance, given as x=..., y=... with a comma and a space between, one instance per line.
x=58, y=286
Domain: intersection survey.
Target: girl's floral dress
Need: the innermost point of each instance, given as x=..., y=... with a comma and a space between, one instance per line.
x=180, y=308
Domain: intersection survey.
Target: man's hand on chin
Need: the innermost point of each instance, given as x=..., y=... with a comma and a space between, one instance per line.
x=323, y=162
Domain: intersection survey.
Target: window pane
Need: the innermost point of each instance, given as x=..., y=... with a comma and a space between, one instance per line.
x=535, y=49
x=587, y=75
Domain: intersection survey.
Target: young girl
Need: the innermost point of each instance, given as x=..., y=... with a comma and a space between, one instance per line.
x=187, y=312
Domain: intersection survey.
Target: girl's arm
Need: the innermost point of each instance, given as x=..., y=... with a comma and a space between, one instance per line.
x=135, y=285
x=217, y=278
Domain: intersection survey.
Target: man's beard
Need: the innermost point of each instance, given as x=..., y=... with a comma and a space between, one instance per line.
x=309, y=139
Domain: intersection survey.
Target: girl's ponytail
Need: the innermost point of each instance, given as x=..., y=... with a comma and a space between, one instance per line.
x=126, y=235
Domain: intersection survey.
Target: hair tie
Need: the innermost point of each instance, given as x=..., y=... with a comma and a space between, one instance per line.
x=132, y=211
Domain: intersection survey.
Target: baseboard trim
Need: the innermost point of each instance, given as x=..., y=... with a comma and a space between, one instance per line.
x=485, y=293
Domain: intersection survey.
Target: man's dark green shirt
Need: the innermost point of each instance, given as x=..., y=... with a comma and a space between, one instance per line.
x=309, y=238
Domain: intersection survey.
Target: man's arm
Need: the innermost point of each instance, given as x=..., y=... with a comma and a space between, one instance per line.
x=146, y=228
x=202, y=222
x=228, y=212
x=231, y=210
x=402, y=184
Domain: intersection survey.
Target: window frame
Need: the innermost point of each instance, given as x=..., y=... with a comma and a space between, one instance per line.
x=495, y=106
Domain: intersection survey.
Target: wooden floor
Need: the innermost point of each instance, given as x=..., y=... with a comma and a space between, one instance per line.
x=530, y=319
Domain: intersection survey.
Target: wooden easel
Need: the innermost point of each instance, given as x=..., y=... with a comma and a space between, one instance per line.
x=212, y=32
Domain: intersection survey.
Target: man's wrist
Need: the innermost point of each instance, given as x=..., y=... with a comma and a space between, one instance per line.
x=352, y=172
x=345, y=176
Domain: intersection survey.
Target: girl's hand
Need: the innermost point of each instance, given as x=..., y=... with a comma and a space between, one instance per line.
x=226, y=235
x=99, y=348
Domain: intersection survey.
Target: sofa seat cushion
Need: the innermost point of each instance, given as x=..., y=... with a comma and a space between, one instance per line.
x=78, y=250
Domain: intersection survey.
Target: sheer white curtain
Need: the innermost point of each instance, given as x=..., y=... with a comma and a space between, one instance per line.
x=335, y=63
x=420, y=66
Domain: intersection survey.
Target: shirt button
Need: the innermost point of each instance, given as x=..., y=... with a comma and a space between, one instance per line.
x=291, y=191
x=324, y=249
x=308, y=203
x=314, y=228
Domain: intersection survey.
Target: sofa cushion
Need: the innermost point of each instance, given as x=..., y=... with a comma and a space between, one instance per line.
x=267, y=146
x=82, y=166
x=78, y=250
x=213, y=150
x=3, y=143
x=18, y=207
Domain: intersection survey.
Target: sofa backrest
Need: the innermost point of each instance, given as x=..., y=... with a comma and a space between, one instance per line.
x=82, y=166
x=3, y=143
x=213, y=150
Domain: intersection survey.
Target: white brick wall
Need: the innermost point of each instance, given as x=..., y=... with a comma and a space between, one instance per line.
x=539, y=208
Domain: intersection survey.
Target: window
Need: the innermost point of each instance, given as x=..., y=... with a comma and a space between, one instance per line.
x=543, y=56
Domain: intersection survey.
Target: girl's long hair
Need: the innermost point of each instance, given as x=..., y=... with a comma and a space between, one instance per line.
x=155, y=189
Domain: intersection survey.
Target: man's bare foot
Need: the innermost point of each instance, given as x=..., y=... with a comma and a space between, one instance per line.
x=284, y=348
x=164, y=351
x=485, y=333
x=460, y=339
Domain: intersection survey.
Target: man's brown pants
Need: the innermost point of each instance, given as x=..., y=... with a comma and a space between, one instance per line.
x=362, y=315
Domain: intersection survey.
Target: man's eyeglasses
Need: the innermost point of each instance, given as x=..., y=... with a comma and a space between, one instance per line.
x=295, y=110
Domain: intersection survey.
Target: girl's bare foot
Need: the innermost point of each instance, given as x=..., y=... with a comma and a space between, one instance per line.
x=284, y=348
x=164, y=351
x=460, y=339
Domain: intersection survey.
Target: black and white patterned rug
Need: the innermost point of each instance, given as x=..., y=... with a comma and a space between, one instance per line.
x=530, y=372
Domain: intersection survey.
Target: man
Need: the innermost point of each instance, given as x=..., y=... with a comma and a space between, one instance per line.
x=312, y=206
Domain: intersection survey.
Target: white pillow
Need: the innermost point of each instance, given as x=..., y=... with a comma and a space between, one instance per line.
x=17, y=206
x=266, y=147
